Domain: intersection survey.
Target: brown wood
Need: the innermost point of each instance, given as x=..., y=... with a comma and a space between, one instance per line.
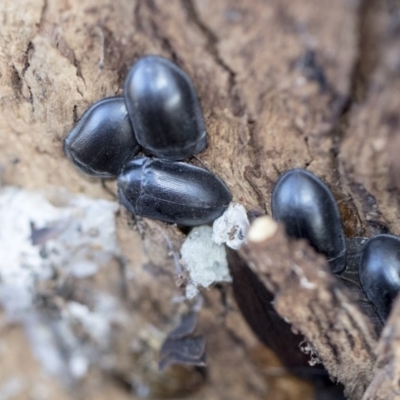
x=309, y=297
x=283, y=84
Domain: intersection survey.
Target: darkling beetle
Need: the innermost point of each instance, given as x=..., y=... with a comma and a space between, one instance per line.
x=172, y=191
x=164, y=109
x=306, y=207
x=103, y=139
x=167, y=121
x=380, y=272
x=370, y=269
x=308, y=210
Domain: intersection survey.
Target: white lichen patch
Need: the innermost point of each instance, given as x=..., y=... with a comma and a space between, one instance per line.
x=39, y=240
x=11, y=389
x=204, y=260
x=43, y=243
x=67, y=346
x=231, y=227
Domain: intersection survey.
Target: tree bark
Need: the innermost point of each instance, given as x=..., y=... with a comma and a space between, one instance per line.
x=311, y=84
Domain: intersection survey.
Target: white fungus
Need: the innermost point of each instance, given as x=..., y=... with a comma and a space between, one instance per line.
x=204, y=260
x=39, y=239
x=231, y=227
x=41, y=242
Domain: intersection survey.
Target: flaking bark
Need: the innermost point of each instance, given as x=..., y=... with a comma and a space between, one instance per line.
x=385, y=384
x=317, y=305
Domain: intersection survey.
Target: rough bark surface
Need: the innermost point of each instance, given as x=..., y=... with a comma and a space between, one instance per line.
x=324, y=311
x=385, y=384
x=282, y=84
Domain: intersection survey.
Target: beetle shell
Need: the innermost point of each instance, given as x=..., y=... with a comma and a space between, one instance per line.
x=351, y=279
x=102, y=140
x=164, y=109
x=308, y=210
x=172, y=191
x=380, y=272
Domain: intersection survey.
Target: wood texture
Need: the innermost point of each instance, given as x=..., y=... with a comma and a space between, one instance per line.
x=282, y=84
x=321, y=309
x=385, y=384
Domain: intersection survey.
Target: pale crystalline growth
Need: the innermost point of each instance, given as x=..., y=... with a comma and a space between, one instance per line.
x=204, y=260
x=231, y=227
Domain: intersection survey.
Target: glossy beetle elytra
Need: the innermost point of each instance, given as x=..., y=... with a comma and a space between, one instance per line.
x=301, y=199
x=380, y=272
x=172, y=191
x=164, y=109
x=308, y=210
x=102, y=140
x=371, y=270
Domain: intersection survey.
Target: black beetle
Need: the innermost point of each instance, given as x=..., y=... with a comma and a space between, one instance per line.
x=380, y=272
x=102, y=140
x=164, y=109
x=172, y=191
x=308, y=210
